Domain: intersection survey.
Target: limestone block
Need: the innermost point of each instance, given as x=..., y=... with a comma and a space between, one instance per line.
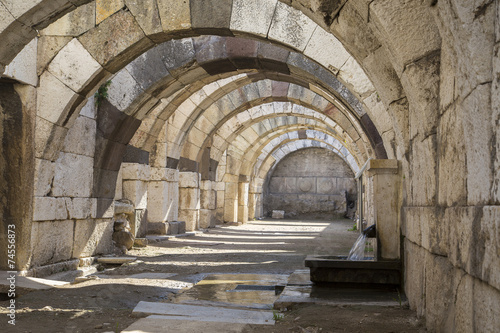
x=464, y=306
x=147, y=15
x=327, y=50
x=106, y=8
x=191, y=217
x=352, y=74
x=252, y=16
x=148, y=69
x=54, y=99
x=157, y=201
x=48, y=47
x=486, y=305
x=174, y=15
x=243, y=194
x=489, y=237
x=173, y=201
x=219, y=216
x=424, y=98
x=220, y=199
x=139, y=224
x=189, y=179
x=73, y=176
x=463, y=222
x=81, y=137
x=92, y=237
x=415, y=276
x=406, y=44
x=123, y=207
x=51, y=242
x=383, y=76
x=137, y=192
x=211, y=14
x=206, y=199
x=165, y=174
x=44, y=174
x=89, y=110
x=135, y=171
x=452, y=160
x=439, y=295
x=81, y=208
x=74, y=23
x=230, y=210
x=423, y=172
x=75, y=67
x=189, y=198
x=113, y=37
x=48, y=208
x=207, y=218
x=478, y=130
x=495, y=118
x=22, y=68
x=123, y=90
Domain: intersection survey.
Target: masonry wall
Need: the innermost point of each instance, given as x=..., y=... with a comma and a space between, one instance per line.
x=310, y=183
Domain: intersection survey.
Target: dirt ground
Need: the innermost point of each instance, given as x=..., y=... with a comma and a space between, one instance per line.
x=265, y=246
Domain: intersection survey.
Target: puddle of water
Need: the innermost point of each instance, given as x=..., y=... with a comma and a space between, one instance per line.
x=258, y=290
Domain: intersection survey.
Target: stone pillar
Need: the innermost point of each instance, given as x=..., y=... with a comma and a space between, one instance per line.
x=135, y=178
x=207, y=204
x=163, y=195
x=17, y=162
x=219, y=188
x=189, y=199
x=231, y=202
x=385, y=205
x=255, y=209
x=243, y=202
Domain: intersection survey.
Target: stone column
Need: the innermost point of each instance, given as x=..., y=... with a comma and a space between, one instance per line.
x=231, y=202
x=243, y=202
x=17, y=162
x=255, y=209
x=207, y=204
x=189, y=199
x=385, y=205
x=135, y=179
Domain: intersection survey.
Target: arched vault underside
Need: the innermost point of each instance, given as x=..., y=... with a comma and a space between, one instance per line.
x=207, y=95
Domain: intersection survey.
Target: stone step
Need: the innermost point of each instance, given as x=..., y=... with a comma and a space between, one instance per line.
x=204, y=313
x=167, y=228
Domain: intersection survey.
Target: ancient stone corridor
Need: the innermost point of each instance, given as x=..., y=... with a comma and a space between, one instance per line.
x=122, y=120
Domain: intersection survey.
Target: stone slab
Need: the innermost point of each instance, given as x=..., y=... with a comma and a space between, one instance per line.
x=24, y=284
x=278, y=214
x=205, y=313
x=153, y=276
x=116, y=260
x=159, y=323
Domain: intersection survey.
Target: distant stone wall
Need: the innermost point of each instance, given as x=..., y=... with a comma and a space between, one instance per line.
x=310, y=183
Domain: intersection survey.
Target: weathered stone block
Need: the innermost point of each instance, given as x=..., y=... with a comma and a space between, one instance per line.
x=81, y=137
x=477, y=123
x=140, y=223
x=158, y=201
x=22, y=68
x=191, y=217
x=423, y=160
x=75, y=67
x=173, y=201
x=123, y=90
x=81, y=208
x=486, y=305
x=114, y=37
x=189, y=179
x=452, y=160
x=74, y=23
x=486, y=256
x=189, y=198
x=137, y=192
x=44, y=174
x=147, y=15
x=354, y=76
x=47, y=208
x=252, y=16
x=92, y=237
x=51, y=242
x=207, y=218
x=464, y=225
x=106, y=8
x=464, y=305
x=175, y=15
x=67, y=183
x=135, y=171
x=211, y=14
x=54, y=99
x=415, y=276
x=148, y=69
x=48, y=47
